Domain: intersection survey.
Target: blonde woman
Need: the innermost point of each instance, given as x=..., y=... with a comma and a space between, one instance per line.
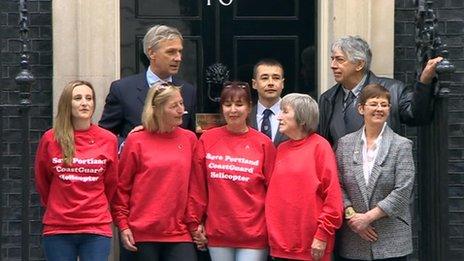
x=76, y=177
x=154, y=176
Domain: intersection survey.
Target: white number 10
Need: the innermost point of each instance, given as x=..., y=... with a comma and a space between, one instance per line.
x=223, y=2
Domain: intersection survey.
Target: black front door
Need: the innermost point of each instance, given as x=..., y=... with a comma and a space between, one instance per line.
x=236, y=33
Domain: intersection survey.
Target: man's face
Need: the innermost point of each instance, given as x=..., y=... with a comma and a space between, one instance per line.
x=269, y=82
x=165, y=59
x=344, y=71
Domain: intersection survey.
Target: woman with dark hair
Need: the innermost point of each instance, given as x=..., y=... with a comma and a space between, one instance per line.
x=227, y=193
x=377, y=176
x=76, y=177
x=304, y=201
x=154, y=171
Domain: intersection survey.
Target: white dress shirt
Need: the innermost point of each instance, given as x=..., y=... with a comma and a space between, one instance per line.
x=369, y=154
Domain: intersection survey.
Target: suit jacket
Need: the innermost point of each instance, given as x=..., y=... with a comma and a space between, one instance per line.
x=412, y=106
x=390, y=188
x=279, y=137
x=125, y=101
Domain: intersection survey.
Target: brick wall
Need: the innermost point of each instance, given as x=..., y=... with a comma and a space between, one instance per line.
x=41, y=118
x=450, y=14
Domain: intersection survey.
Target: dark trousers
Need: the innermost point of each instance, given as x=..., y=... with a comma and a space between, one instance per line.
x=126, y=255
x=151, y=251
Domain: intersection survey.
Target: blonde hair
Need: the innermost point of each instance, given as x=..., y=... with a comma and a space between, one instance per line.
x=153, y=112
x=63, y=128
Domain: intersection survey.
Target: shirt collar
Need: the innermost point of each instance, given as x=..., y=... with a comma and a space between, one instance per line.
x=357, y=89
x=377, y=141
x=274, y=108
x=152, y=78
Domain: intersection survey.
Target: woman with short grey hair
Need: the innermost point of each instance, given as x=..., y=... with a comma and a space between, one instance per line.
x=303, y=201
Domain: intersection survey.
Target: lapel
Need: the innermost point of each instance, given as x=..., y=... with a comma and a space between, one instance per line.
x=379, y=160
x=358, y=166
x=142, y=87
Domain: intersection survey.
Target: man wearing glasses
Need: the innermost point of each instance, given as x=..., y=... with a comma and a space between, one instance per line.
x=268, y=81
x=124, y=104
x=351, y=59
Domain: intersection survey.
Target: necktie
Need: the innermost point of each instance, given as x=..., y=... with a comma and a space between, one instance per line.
x=353, y=120
x=266, y=124
x=349, y=100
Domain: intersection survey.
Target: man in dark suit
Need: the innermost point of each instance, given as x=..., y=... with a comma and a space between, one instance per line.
x=124, y=104
x=268, y=81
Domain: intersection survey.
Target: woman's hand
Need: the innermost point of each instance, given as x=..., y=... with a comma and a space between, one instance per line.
x=199, y=237
x=368, y=234
x=359, y=222
x=127, y=240
x=318, y=249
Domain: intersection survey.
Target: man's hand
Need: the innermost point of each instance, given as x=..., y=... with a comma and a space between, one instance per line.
x=136, y=128
x=430, y=70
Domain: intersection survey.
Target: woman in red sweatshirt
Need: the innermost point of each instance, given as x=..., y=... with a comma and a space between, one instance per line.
x=304, y=201
x=154, y=171
x=76, y=177
x=227, y=193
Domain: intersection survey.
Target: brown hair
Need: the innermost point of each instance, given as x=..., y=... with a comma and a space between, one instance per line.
x=373, y=90
x=63, y=128
x=157, y=96
x=237, y=90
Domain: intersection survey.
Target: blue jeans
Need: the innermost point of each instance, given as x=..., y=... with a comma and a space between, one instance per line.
x=237, y=254
x=67, y=247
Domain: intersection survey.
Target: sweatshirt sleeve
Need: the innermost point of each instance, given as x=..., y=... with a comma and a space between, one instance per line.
x=42, y=175
x=269, y=159
x=198, y=189
x=128, y=167
x=111, y=174
x=330, y=218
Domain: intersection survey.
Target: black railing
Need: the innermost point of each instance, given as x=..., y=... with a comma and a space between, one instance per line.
x=433, y=141
x=24, y=79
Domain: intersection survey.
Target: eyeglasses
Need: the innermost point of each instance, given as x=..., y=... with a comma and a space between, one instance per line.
x=377, y=105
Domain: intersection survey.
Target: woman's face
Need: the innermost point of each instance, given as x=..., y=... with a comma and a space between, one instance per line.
x=375, y=111
x=82, y=104
x=235, y=111
x=173, y=110
x=287, y=122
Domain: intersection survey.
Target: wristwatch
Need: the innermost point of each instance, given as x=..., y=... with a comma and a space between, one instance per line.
x=349, y=212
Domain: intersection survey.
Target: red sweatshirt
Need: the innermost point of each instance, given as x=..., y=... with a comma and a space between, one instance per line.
x=76, y=196
x=229, y=187
x=304, y=199
x=152, y=193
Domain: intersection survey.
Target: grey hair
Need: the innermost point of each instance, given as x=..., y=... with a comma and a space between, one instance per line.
x=158, y=33
x=355, y=49
x=306, y=110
